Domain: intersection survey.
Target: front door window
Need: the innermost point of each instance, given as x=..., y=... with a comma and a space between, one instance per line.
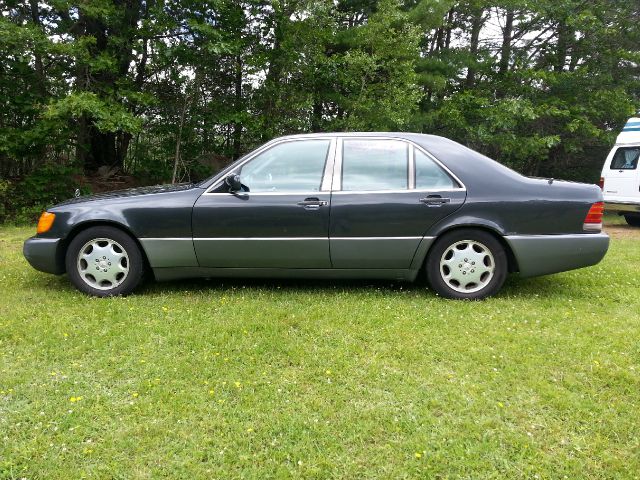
x=287, y=167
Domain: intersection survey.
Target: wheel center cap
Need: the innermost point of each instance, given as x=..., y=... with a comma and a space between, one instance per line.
x=466, y=266
x=104, y=264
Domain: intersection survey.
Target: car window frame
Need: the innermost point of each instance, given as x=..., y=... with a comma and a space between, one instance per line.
x=411, y=170
x=327, y=173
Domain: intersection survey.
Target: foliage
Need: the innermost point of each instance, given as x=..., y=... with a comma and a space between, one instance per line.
x=47, y=185
x=309, y=379
x=156, y=87
x=5, y=197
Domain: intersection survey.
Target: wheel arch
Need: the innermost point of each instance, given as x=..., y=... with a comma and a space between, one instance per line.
x=82, y=226
x=512, y=262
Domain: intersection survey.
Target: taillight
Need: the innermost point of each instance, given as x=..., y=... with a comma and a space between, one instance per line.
x=593, y=220
x=601, y=183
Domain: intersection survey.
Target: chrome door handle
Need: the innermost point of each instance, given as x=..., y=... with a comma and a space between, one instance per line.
x=435, y=200
x=312, y=203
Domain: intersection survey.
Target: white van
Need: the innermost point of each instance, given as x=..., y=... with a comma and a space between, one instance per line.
x=620, y=180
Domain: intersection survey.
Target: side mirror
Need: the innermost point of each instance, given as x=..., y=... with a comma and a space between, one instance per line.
x=233, y=182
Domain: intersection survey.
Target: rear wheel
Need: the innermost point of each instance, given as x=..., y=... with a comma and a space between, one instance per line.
x=467, y=264
x=104, y=261
x=632, y=219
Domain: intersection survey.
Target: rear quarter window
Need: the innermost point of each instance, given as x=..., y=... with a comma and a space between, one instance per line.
x=430, y=176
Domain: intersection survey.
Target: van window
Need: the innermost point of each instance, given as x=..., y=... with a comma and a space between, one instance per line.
x=625, y=158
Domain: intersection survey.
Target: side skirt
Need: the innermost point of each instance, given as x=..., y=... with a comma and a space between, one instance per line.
x=164, y=274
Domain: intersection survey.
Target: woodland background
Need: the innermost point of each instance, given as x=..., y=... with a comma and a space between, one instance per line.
x=101, y=94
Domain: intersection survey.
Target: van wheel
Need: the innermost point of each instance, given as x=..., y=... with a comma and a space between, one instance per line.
x=633, y=220
x=104, y=261
x=467, y=264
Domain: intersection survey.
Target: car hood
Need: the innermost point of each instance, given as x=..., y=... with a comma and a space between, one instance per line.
x=130, y=192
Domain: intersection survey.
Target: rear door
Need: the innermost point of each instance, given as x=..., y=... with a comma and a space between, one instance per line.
x=280, y=221
x=621, y=175
x=386, y=194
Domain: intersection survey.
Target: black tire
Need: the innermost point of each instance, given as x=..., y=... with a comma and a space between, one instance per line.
x=484, y=247
x=632, y=219
x=131, y=260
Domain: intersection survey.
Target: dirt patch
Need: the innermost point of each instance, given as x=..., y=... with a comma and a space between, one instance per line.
x=622, y=231
x=107, y=183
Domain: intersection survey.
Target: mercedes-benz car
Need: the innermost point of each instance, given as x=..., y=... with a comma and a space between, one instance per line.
x=331, y=205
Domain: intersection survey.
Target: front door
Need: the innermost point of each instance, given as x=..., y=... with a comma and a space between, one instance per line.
x=387, y=194
x=280, y=220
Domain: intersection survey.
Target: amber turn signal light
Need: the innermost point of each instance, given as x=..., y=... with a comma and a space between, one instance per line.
x=45, y=222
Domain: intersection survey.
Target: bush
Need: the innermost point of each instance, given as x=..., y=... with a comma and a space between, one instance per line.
x=5, y=195
x=24, y=200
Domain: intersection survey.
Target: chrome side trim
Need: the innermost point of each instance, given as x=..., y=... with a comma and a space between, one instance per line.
x=376, y=238
x=239, y=239
x=144, y=239
x=412, y=168
x=281, y=194
x=361, y=192
x=189, y=239
x=336, y=186
x=327, y=175
x=558, y=236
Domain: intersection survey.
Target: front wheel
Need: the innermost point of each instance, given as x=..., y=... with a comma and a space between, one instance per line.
x=467, y=264
x=104, y=261
x=633, y=220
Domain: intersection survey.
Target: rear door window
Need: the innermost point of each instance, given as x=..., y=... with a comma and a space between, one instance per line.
x=625, y=158
x=369, y=165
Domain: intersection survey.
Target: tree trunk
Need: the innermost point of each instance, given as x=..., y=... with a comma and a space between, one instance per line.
x=237, y=125
x=316, y=114
x=562, y=47
x=449, y=27
x=96, y=148
x=476, y=27
x=177, y=158
x=505, y=51
x=37, y=57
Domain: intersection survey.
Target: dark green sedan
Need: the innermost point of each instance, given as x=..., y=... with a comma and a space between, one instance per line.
x=334, y=205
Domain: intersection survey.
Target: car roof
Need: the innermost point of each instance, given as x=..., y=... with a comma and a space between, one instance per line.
x=405, y=135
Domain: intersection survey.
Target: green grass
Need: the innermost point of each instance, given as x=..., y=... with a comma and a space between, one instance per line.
x=260, y=379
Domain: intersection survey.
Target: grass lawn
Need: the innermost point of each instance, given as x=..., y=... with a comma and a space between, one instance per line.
x=260, y=379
